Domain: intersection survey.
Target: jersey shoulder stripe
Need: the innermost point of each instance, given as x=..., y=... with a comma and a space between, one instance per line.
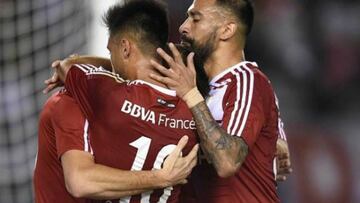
x=89, y=69
x=244, y=93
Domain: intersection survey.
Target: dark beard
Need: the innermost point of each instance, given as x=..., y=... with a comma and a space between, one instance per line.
x=201, y=55
x=202, y=51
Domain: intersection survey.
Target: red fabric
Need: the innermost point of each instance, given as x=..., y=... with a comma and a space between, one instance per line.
x=59, y=116
x=128, y=118
x=254, y=181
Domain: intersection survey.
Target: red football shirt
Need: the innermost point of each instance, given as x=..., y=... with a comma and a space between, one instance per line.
x=62, y=127
x=134, y=125
x=242, y=101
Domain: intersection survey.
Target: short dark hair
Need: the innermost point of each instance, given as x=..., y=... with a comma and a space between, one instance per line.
x=242, y=9
x=146, y=21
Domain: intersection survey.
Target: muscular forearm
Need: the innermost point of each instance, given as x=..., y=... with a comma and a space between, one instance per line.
x=102, y=182
x=226, y=152
x=84, y=178
x=112, y=194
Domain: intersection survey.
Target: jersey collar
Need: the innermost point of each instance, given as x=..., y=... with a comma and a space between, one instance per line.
x=159, y=88
x=228, y=70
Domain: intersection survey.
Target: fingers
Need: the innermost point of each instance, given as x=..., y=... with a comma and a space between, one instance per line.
x=284, y=171
x=190, y=62
x=165, y=80
x=166, y=57
x=180, y=146
x=54, y=79
x=162, y=69
x=183, y=182
x=193, y=153
x=48, y=81
x=283, y=163
x=192, y=157
x=280, y=178
x=176, y=54
x=282, y=155
x=56, y=63
x=283, y=168
x=50, y=87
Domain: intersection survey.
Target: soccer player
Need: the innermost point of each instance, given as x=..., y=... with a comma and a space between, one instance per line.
x=239, y=123
x=63, y=132
x=64, y=135
x=215, y=31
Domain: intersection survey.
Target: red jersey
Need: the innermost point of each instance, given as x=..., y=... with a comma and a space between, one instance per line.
x=62, y=127
x=134, y=125
x=242, y=101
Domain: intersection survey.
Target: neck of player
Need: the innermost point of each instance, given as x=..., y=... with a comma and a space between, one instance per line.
x=224, y=56
x=145, y=70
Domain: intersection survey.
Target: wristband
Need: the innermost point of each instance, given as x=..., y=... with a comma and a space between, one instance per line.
x=193, y=97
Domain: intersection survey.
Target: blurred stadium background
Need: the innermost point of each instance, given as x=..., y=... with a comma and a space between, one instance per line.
x=309, y=49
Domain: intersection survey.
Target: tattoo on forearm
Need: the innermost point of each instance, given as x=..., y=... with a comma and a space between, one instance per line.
x=215, y=140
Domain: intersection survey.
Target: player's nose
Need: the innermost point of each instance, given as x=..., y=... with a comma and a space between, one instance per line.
x=184, y=27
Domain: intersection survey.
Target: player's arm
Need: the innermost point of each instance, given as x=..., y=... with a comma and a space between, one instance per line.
x=54, y=81
x=85, y=178
x=225, y=151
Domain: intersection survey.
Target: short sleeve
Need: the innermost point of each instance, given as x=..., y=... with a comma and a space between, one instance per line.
x=88, y=84
x=243, y=107
x=77, y=85
x=71, y=127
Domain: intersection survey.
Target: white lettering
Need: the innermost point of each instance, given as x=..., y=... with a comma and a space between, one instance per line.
x=161, y=119
x=172, y=123
x=136, y=111
x=186, y=124
x=151, y=117
x=126, y=108
x=140, y=112
x=144, y=114
x=192, y=125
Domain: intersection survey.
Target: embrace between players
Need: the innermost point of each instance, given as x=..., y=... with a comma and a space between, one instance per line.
x=106, y=139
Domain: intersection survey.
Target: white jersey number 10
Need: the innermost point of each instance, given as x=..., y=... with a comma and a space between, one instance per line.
x=143, y=145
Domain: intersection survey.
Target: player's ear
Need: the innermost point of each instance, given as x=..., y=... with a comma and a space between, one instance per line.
x=228, y=30
x=125, y=48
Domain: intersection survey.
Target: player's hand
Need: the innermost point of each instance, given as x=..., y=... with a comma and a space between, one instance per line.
x=55, y=81
x=283, y=162
x=177, y=168
x=178, y=77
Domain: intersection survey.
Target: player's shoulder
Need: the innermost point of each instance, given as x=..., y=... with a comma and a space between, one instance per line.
x=61, y=97
x=92, y=70
x=89, y=68
x=51, y=103
x=54, y=98
x=248, y=74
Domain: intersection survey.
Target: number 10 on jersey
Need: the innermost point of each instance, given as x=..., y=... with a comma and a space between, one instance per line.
x=143, y=145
